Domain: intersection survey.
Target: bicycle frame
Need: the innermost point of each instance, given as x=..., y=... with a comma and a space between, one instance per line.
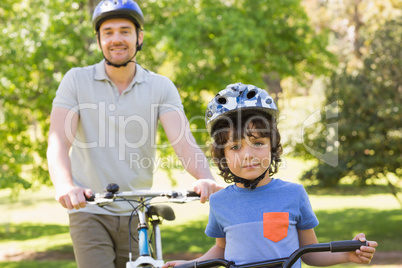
x=145, y=257
x=146, y=216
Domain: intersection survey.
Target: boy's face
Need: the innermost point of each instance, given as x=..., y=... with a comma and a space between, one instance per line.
x=249, y=157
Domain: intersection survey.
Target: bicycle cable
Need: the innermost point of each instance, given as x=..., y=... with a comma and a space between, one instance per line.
x=141, y=205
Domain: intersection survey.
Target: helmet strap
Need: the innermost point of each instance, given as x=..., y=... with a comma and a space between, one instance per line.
x=252, y=184
x=120, y=65
x=139, y=47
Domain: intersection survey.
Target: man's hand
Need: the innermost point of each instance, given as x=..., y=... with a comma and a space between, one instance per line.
x=206, y=187
x=73, y=197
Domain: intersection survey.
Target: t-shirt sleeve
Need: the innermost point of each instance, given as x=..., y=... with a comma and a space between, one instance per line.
x=214, y=229
x=307, y=218
x=171, y=99
x=66, y=94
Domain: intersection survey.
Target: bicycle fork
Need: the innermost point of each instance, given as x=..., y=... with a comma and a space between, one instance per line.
x=145, y=258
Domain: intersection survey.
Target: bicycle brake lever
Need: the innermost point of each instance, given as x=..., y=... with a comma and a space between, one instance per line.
x=100, y=199
x=90, y=199
x=192, y=194
x=184, y=196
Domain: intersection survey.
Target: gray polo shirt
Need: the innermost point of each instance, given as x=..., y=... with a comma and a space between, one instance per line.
x=115, y=138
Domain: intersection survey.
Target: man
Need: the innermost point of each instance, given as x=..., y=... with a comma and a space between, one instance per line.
x=102, y=130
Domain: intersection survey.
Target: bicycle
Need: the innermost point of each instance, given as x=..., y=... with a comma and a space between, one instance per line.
x=334, y=246
x=149, y=215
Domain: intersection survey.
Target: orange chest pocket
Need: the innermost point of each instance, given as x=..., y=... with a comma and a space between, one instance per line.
x=276, y=225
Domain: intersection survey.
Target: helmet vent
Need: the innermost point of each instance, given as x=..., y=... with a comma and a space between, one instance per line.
x=221, y=100
x=251, y=94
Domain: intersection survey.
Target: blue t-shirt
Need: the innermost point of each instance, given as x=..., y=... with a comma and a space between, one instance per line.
x=260, y=224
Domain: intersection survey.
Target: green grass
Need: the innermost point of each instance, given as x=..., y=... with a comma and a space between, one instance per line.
x=40, y=237
x=187, y=237
x=381, y=226
x=24, y=231
x=39, y=264
x=38, y=223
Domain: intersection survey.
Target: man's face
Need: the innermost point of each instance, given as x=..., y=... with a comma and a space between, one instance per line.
x=118, y=38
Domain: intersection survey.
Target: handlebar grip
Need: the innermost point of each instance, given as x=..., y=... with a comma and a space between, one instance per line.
x=91, y=198
x=192, y=264
x=346, y=245
x=192, y=194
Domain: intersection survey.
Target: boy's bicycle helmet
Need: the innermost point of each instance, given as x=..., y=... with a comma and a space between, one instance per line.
x=109, y=9
x=239, y=96
x=233, y=99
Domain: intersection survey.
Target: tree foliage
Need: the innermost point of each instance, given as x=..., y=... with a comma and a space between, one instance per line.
x=369, y=114
x=41, y=40
x=202, y=45
x=209, y=44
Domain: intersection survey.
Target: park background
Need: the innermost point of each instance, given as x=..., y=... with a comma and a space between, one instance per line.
x=334, y=67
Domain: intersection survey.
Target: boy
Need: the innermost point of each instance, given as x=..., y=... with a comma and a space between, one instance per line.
x=259, y=217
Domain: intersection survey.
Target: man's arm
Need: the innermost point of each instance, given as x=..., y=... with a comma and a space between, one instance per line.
x=177, y=130
x=63, y=126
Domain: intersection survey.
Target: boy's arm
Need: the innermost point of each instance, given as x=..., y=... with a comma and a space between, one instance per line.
x=361, y=256
x=215, y=252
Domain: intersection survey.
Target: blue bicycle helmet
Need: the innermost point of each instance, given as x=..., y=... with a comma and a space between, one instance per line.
x=239, y=96
x=109, y=9
x=240, y=99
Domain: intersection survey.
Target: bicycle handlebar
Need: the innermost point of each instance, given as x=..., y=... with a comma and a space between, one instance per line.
x=335, y=246
x=112, y=193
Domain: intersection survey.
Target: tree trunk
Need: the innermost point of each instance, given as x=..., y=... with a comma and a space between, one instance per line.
x=273, y=82
x=358, y=24
x=91, y=6
x=394, y=190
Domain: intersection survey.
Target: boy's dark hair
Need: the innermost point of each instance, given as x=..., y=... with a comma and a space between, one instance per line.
x=246, y=124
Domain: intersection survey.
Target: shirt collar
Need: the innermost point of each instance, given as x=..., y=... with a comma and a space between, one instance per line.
x=100, y=72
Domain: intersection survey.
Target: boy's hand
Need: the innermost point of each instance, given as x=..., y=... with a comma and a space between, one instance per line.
x=365, y=254
x=174, y=263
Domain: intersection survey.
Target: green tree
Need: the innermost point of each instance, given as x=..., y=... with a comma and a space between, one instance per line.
x=208, y=44
x=41, y=40
x=369, y=115
x=202, y=45
x=351, y=22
